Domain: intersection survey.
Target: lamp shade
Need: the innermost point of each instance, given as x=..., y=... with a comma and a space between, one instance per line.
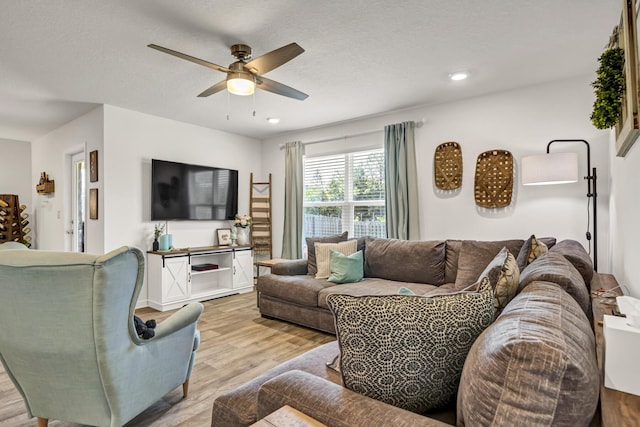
x=555, y=168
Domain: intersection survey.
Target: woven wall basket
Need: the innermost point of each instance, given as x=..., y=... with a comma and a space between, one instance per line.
x=494, y=179
x=447, y=166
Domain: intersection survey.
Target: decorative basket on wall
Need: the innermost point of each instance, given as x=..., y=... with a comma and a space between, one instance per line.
x=447, y=166
x=494, y=179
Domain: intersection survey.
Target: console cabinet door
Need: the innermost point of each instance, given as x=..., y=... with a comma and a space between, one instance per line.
x=175, y=279
x=242, y=269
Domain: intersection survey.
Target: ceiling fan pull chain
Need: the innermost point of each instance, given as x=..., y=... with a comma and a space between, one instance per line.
x=228, y=105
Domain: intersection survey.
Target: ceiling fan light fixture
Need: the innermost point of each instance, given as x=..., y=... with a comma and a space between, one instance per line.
x=458, y=76
x=240, y=84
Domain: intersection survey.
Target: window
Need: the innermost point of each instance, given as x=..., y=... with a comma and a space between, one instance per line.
x=344, y=192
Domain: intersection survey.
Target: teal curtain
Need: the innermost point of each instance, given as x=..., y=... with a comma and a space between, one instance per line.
x=401, y=182
x=293, y=194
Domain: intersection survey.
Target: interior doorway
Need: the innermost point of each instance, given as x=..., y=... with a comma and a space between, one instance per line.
x=78, y=202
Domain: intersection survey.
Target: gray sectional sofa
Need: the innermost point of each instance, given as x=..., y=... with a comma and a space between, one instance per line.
x=535, y=365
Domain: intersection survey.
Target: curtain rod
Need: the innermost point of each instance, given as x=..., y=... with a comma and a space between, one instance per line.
x=353, y=135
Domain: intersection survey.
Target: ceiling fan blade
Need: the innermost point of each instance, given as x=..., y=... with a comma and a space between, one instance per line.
x=189, y=58
x=278, y=88
x=214, y=89
x=269, y=61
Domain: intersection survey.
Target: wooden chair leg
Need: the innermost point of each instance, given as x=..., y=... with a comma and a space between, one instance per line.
x=43, y=422
x=185, y=389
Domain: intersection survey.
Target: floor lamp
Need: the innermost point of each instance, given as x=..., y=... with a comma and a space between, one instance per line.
x=562, y=168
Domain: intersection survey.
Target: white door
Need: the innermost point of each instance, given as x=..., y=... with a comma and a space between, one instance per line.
x=78, y=202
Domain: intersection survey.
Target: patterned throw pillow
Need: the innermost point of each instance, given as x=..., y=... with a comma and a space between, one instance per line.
x=408, y=351
x=504, y=274
x=531, y=250
x=323, y=259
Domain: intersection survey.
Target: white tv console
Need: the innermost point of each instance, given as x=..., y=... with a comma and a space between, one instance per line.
x=173, y=278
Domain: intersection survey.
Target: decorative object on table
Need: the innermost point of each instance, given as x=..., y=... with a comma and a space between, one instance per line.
x=165, y=242
x=562, y=168
x=447, y=166
x=93, y=166
x=93, y=203
x=45, y=185
x=619, y=66
x=157, y=232
x=243, y=227
x=234, y=238
x=494, y=179
x=224, y=236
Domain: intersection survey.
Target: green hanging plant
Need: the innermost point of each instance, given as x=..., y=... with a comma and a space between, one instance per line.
x=609, y=88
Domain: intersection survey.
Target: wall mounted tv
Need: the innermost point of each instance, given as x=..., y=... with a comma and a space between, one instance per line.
x=181, y=191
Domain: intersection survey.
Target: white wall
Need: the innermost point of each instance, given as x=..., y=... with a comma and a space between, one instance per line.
x=521, y=121
x=625, y=218
x=51, y=153
x=132, y=139
x=15, y=173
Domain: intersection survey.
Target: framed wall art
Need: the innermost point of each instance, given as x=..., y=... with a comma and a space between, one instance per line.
x=93, y=203
x=93, y=166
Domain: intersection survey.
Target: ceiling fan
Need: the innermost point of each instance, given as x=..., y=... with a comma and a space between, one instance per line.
x=243, y=77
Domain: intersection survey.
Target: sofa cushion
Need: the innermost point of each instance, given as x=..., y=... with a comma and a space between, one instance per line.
x=555, y=268
x=405, y=260
x=323, y=251
x=312, y=267
x=535, y=365
x=372, y=286
x=451, y=262
x=476, y=255
x=504, y=275
x=577, y=255
x=531, y=249
x=408, y=351
x=346, y=268
x=301, y=290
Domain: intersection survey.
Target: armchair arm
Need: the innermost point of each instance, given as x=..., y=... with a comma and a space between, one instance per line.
x=332, y=404
x=178, y=320
x=293, y=267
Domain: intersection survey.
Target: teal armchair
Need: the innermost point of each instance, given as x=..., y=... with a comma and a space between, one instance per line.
x=68, y=342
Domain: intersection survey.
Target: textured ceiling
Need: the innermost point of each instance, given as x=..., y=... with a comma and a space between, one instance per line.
x=363, y=57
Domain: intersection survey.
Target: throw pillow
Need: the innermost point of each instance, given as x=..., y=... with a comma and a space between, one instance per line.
x=504, y=275
x=408, y=351
x=322, y=255
x=312, y=266
x=476, y=255
x=405, y=291
x=345, y=268
x=531, y=250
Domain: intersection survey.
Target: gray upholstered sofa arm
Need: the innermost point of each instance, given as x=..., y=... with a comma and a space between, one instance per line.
x=292, y=267
x=332, y=404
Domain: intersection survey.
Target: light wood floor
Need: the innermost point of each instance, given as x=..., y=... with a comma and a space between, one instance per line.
x=236, y=345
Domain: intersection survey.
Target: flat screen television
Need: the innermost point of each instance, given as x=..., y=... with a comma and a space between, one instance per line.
x=180, y=191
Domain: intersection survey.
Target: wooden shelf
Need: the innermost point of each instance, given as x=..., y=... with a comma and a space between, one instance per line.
x=46, y=187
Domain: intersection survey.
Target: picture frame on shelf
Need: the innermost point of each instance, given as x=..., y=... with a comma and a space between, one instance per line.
x=224, y=236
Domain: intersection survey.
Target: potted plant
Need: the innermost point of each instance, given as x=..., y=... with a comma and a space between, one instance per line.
x=609, y=87
x=242, y=224
x=157, y=231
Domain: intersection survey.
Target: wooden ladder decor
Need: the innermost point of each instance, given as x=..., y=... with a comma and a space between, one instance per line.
x=260, y=212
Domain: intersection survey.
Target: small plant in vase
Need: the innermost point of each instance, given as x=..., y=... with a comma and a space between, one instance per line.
x=157, y=232
x=243, y=225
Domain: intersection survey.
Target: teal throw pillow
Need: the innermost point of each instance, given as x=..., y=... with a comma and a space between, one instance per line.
x=346, y=268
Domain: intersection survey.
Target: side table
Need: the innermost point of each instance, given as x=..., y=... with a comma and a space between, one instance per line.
x=617, y=409
x=267, y=263
x=287, y=417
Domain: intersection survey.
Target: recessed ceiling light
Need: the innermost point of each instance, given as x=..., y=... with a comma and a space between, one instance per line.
x=273, y=120
x=458, y=76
